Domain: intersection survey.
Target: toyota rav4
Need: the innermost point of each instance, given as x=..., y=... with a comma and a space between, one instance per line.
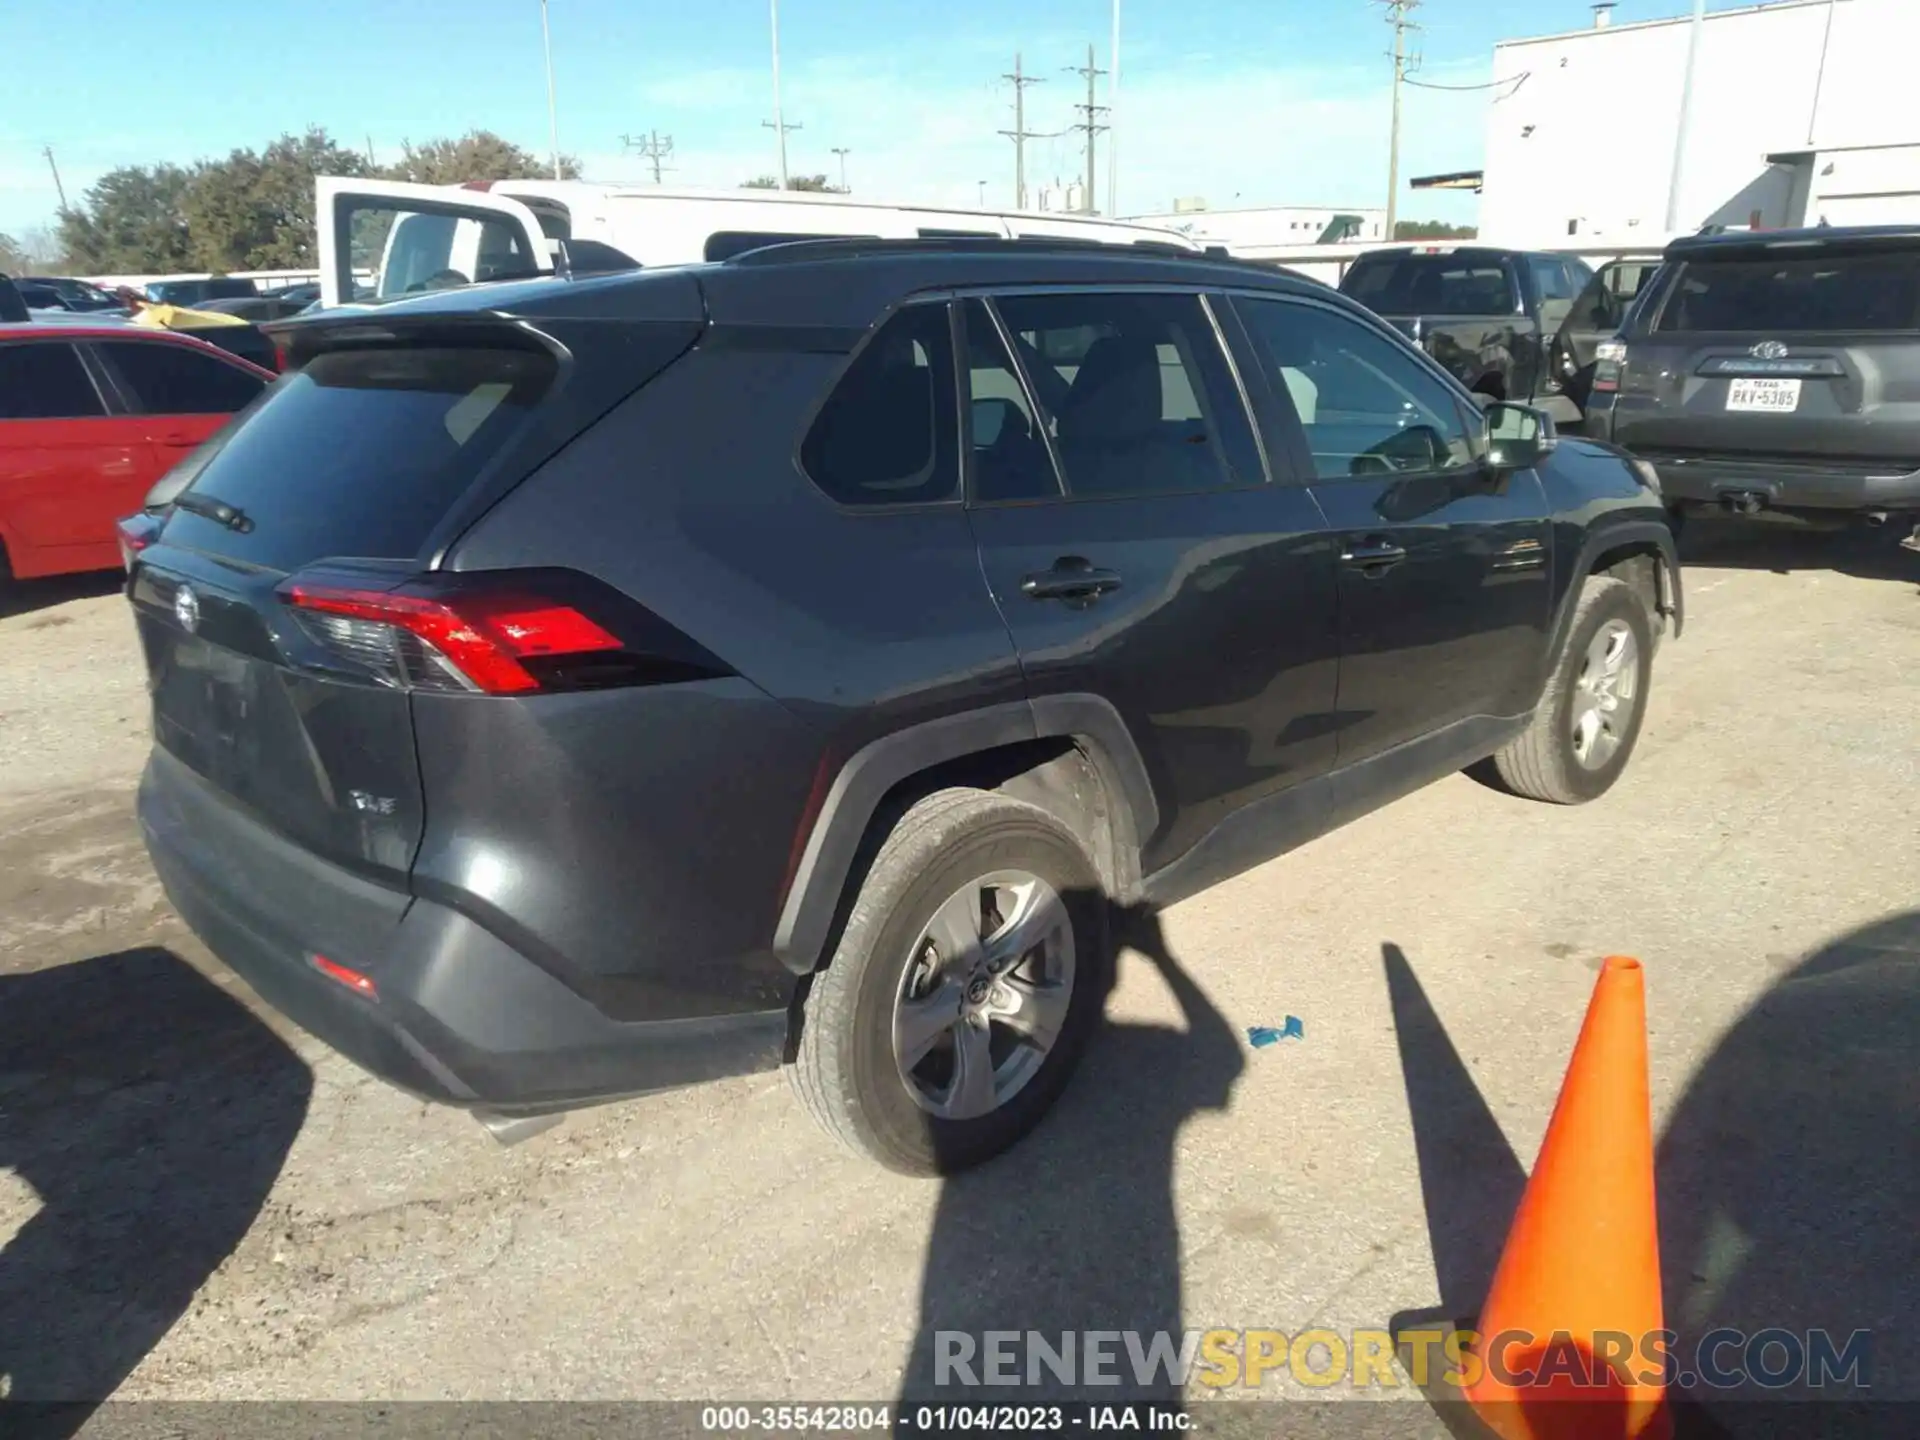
x=571, y=688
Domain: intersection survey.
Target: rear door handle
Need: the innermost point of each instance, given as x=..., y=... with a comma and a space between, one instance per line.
x=1373, y=555
x=1071, y=578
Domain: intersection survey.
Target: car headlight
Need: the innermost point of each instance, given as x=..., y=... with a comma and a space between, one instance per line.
x=1644, y=472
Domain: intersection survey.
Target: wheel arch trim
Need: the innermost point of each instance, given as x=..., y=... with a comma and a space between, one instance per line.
x=864, y=780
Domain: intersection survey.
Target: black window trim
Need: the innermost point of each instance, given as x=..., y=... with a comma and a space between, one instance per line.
x=107, y=374
x=811, y=416
x=1470, y=415
x=990, y=293
x=109, y=397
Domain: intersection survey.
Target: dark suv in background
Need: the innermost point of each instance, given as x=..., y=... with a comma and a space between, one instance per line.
x=571, y=688
x=1775, y=374
x=1490, y=316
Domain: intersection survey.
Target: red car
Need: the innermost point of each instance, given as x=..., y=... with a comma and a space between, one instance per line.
x=91, y=416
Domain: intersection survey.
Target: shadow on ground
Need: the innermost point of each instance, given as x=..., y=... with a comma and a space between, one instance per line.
x=1865, y=553
x=1788, y=1174
x=1075, y=1229
x=150, y=1114
x=23, y=597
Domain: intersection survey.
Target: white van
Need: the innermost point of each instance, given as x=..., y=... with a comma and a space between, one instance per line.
x=412, y=238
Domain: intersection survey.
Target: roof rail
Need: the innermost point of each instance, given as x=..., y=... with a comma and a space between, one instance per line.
x=798, y=250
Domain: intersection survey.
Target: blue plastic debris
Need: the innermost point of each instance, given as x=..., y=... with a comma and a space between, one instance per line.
x=1265, y=1035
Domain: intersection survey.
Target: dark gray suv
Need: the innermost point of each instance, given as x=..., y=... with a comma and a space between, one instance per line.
x=572, y=688
x=1774, y=374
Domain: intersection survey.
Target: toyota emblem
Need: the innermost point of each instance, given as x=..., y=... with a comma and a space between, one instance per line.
x=186, y=608
x=1769, y=350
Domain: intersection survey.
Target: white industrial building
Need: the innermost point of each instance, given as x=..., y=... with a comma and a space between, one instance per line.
x=1802, y=111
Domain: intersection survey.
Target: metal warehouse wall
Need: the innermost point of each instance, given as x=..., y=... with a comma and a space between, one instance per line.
x=1580, y=143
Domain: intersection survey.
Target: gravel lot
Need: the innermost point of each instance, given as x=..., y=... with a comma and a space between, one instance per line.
x=197, y=1202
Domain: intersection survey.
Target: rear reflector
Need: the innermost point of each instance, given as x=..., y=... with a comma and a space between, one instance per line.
x=352, y=979
x=476, y=641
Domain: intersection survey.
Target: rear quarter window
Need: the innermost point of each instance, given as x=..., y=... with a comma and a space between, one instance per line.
x=363, y=452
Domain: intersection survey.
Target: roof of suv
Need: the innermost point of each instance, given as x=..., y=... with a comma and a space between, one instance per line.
x=839, y=283
x=1810, y=238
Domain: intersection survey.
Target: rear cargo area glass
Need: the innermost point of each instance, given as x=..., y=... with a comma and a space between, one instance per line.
x=363, y=452
x=1796, y=294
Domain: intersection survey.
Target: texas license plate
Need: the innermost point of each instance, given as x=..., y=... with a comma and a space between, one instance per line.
x=1775, y=396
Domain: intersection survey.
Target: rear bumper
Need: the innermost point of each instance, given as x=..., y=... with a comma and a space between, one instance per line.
x=459, y=1017
x=1779, y=485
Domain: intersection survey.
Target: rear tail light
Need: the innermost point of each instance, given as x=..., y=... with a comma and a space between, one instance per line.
x=491, y=633
x=135, y=533
x=1609, y=360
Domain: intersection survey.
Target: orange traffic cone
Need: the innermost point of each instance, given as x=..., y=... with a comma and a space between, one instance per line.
x=1564, y=1338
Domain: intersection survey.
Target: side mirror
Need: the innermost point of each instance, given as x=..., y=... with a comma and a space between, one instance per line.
x=1517, y=437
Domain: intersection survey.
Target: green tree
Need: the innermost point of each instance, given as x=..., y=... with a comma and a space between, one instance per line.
x=1432, y=230
x=130, y=219
x=254, y=211
x=816, y=184
x=476, y=155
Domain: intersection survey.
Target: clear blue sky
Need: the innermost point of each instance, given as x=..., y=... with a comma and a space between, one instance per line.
x=1239, y=101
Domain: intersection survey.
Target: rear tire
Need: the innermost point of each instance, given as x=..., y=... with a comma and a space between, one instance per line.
x=902, y=958
x=1584, y=730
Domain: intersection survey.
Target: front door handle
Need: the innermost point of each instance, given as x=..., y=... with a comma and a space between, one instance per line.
x=1373, y=555
x=1071, y=578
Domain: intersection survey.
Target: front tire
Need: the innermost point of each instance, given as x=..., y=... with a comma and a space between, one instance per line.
x=971, y=971
x=1588, y=720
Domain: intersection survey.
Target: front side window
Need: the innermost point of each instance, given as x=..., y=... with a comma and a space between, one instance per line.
x=171, y=380
x=888, y=432
x=44, y=381
x=1366, y=405
x=1134, y=391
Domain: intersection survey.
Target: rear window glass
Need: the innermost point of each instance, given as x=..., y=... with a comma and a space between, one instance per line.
x=1431, y=285
x=362, y=452
x=1796, y=293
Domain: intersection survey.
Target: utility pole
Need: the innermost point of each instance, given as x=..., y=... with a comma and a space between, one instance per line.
x=1020, y=134
x=58, y=188
x=370, y=160
x=1686, y=117
x=653, y=147
x=1091, y=125
x=778, y=125
x=842, y=152
x=553, y=115
x=1398, y=16
x=1113, y=116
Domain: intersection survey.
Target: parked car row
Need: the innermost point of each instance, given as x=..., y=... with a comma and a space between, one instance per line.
x=1764, y=374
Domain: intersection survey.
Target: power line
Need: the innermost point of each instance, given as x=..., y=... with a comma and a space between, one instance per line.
x=1399, y=15
x=1514, y=80
x=1090, y=126
x=1020, y=134
x=653, y=147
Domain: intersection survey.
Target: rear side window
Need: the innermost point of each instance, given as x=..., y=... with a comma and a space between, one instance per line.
x=1431, y=285
x=363, y=452
x=887, y=435
x=169, y=380
x=1135, y=392
x=1796, y=293
x=41, y=381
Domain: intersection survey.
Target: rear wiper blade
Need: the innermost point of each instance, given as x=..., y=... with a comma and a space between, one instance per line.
x=218, y=511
